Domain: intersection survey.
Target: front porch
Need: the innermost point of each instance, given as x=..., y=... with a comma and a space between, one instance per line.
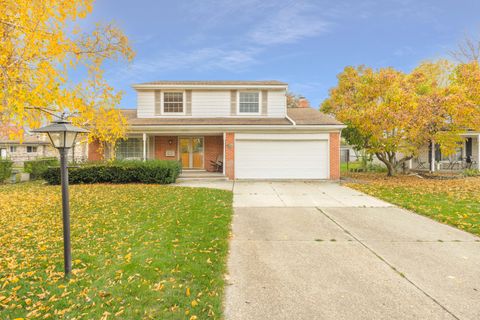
x=196, y=152
x=467, y=156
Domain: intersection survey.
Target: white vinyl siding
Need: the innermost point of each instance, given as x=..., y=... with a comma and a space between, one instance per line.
x=277, y=103
x=281, y=156
x=146, y=103
x=210, y=103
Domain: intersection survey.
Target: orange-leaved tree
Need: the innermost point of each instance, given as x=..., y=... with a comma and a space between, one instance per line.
x=445, y=109
x=380, y=108
x=41, y=44
x=466, y=79
x=394, y=115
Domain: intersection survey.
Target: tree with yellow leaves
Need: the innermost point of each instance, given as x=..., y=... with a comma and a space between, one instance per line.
x=40, y=45
x=444, y=108
x=378, y=108
x=392, y=114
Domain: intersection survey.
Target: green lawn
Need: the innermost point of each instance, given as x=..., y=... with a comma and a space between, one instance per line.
x=139, y=251
x=454, y=202
x=351, y=165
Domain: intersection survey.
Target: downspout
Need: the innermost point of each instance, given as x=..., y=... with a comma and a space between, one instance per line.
x=291, y=120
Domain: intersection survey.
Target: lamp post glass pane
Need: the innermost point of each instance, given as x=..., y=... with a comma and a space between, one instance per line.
x=70, y=139
x=57, y=138
x=62, y=139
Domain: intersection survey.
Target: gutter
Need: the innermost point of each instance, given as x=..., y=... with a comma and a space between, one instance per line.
x=235, y=127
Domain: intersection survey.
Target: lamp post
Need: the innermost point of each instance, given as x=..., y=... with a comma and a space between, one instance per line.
x=62, y=135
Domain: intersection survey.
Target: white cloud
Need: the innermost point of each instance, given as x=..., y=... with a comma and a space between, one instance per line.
x=288, y=25
x=264, y=24
x=404, y=51
x=233, y=60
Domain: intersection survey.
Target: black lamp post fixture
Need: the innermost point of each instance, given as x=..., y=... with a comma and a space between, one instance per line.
x=62, y=134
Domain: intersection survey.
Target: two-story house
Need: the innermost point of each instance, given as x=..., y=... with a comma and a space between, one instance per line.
x=244, y=125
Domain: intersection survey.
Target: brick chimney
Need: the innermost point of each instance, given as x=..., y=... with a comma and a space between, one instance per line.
x=303, y=103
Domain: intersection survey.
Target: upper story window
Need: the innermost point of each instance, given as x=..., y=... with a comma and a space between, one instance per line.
x=173, y=102
x=249, y=102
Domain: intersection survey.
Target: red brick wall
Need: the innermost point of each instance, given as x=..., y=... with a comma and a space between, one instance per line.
x=334, y=155
x=162, y=145
x=230, y=155
x=213, y=148
x=95, y=152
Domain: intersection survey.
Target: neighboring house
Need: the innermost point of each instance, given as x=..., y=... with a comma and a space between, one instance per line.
x=245, y=125
x=467, y=155
x=34, y=146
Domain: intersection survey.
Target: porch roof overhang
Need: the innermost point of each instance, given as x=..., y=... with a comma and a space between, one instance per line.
x=470, y=133
x=236, y=128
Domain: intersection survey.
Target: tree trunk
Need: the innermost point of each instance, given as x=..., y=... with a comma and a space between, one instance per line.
x=391, y=169
x=386, y=160
x=389, y=159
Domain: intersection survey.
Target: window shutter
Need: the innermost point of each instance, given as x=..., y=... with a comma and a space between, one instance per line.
x=158, y=103
x=188, y=102
x=233, y=102
x=264, y=103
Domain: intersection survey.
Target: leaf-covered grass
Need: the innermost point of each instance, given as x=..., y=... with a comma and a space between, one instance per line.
x=139, y=252
x=454, y=202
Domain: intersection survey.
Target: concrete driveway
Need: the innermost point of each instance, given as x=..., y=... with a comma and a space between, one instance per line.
x=313, y=250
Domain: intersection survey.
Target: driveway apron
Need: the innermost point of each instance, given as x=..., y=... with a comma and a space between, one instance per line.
x=318, y=250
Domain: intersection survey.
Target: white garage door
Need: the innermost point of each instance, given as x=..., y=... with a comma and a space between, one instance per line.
x=281, y=156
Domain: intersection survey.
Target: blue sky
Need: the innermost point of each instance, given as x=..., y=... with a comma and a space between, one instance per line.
x=305, y=43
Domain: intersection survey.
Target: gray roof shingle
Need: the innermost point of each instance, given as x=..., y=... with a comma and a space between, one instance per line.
x=216, y=83
x=301, y=116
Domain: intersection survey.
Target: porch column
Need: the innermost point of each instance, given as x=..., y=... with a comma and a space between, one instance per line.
x=432, y=156
x=144, y=147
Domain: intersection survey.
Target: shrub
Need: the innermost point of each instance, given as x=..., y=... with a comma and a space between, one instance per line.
x=37, y=167
x=151, y=171
x=5, y=169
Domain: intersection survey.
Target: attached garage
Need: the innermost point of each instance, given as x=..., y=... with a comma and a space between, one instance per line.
x=281, y=156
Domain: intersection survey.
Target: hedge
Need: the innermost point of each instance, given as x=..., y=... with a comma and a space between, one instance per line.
x=37, y=167
x=5, y=169
x=151, y=171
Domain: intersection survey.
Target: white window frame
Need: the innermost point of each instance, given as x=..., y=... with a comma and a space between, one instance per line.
x=13, y=149
x=259, y=103
x=162, y=109
x=130, y=157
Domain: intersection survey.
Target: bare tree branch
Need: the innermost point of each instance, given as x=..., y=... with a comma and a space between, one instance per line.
x=468, y=50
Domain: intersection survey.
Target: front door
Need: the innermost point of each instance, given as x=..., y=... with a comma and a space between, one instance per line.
x=191, y=152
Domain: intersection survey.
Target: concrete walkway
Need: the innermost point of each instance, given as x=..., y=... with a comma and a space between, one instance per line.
x=322, y=251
